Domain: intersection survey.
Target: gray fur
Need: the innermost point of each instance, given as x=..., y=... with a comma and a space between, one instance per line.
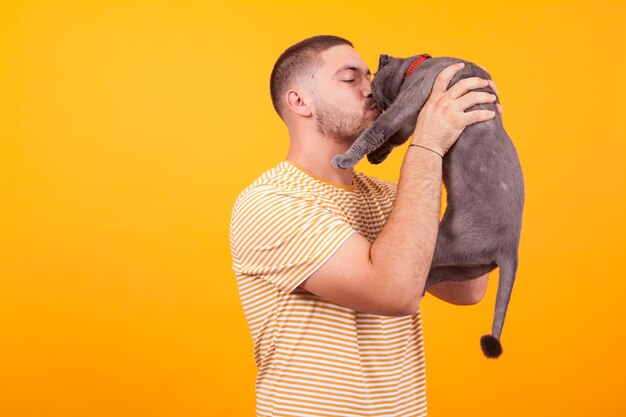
x=480, y=229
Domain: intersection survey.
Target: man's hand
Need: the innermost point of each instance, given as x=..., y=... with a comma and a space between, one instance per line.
x=492, y=84
x=442, y=118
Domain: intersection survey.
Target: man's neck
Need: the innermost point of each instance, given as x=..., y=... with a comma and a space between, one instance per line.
x=319, y=162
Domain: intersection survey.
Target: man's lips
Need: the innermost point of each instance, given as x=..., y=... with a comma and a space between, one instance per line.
x=376, y=109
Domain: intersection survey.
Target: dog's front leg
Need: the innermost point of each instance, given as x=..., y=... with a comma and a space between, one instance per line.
x=379, y=155
x=377, y=133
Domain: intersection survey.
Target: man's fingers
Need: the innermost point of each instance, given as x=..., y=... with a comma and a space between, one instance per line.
x=492, y=84
x=443, y=78
x=464, y=85
x=478, y=116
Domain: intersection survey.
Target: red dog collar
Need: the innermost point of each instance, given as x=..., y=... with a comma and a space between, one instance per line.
x=416, y=63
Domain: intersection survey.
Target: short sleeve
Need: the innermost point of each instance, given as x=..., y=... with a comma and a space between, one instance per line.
x=392, y=187
x=283, y=236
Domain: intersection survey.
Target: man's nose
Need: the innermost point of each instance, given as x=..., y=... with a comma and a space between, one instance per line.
x=368, y=89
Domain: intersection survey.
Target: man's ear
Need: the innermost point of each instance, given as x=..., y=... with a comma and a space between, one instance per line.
x=297, y=103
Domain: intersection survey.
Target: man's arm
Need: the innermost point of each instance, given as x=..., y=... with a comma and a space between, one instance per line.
x=461, y=293
x=387, y=277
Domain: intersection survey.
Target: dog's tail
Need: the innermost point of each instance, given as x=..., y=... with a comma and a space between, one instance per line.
x=490, y=343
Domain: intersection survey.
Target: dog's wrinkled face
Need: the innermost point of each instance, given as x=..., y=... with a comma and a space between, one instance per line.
x=384, y=89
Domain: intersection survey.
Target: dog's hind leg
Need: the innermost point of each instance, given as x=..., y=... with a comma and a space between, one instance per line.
x=458, y=273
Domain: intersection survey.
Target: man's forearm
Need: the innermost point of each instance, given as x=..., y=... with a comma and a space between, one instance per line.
x=403, y=250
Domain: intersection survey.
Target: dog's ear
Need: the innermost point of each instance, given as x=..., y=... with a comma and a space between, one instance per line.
x=383, y=60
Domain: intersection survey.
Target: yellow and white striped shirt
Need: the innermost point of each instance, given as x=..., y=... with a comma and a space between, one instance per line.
x=315, y=357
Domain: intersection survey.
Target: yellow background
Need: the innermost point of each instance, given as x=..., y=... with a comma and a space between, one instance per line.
x=129, y=127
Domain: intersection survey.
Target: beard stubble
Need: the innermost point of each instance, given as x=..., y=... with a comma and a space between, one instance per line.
x=343, y=126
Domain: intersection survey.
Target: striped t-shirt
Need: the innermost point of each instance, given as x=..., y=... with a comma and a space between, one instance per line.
x=315, y=357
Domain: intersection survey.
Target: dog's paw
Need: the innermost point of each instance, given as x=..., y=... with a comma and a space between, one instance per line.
x=377, y=157
x=374, y=159
x=342, y=161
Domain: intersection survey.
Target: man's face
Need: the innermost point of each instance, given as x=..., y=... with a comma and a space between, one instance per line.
x=342, y=101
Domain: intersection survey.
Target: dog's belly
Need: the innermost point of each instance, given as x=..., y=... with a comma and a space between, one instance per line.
x=485, y=197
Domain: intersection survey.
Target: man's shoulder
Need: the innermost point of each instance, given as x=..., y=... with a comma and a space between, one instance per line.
x=377, y=184
x=389, y=184
x=271, y=183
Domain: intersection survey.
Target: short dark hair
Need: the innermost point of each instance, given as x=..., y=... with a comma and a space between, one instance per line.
x=299, y=60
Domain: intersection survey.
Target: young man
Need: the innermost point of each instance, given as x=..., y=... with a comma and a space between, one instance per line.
x=331, y=263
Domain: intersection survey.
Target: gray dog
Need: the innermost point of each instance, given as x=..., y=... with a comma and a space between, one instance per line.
x=480, y=229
